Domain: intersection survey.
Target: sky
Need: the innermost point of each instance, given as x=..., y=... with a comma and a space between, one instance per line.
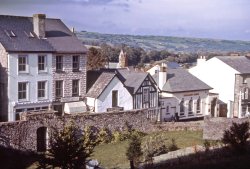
x=218, y=19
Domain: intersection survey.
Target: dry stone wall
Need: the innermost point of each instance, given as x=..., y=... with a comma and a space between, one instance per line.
x=23, y=134
x=214, y=127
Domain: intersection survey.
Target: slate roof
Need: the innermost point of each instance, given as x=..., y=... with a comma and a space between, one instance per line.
x=97, y=81
x=133, y=79
x=100, y=84
x=58, y=37
x=180, y=80
x=239, y=63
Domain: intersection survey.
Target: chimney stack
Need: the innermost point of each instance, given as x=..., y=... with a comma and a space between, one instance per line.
x=123, y=60
x=162, y=75
x=39, y=25
x=201, y=60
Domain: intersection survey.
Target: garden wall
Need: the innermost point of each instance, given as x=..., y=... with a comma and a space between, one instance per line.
x=214, y=127
x=23, y=134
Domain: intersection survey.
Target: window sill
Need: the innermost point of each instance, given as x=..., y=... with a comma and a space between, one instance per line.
x=42, y=99
x=76, y=71
x=42, y=72
x=23, y=101
x=23, y=73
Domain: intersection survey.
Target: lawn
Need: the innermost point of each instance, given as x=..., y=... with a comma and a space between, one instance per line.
x=113, y=155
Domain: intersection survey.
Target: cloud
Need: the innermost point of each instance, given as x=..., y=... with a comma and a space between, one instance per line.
x=207, y=18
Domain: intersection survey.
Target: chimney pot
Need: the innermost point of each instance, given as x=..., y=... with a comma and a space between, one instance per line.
x=39, y=25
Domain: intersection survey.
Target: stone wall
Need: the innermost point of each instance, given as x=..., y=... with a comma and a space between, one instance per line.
x=214, y=127
x=23, y=134
x=67, y=75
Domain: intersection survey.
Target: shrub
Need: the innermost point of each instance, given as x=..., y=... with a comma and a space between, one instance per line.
x=104, y=136
x=134, y=151
x=154, y=146
x=237, y=136
x=207, y=145
x=173, y=146
x=69, y=149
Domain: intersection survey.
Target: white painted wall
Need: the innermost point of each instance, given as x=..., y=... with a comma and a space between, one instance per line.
x=152, y=70
x=176, y=98
x=32, y=77
x=220, y=77
x=104, y=101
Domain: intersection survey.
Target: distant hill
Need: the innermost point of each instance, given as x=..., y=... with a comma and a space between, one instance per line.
x=172, y=44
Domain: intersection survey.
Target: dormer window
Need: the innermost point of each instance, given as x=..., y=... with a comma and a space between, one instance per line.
x=10, y=33
x=30, y=34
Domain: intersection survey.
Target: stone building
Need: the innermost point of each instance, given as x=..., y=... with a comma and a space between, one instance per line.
x=43, y=64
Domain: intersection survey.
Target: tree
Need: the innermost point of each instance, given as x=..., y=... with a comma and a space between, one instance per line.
x=96, y=59
x=237, y=136
x=69, y=149
x=134, y=151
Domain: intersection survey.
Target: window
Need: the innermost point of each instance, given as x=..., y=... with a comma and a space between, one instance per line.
x=59, y=88
x=145, y=96
x=59, y=63
x=167, y=109
x=22, y=90
x=41, y=89
x=75, y=87
x=10, y=33
x=114, y=98
x=22, y=62
x=182, y=107
x=190, y=106
x=41, y=63
x=245, y=93
x=198, y=105
x=75, y=63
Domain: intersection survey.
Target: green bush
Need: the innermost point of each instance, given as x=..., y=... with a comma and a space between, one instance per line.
x=173, y=146
x=104, y=136
x=237, y=136
x=154, y=146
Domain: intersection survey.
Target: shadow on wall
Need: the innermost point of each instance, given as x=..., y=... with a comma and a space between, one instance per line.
x=218, y=158
x=10, y=158
x=3, y=94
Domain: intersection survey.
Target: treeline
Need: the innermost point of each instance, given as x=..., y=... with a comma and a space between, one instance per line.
x=137, y=56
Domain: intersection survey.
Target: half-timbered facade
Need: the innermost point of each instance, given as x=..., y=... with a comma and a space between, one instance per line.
x=146, y=95
x=120, y=89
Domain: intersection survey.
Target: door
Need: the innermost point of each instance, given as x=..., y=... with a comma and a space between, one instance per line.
x=41, y=139
x=114, y=98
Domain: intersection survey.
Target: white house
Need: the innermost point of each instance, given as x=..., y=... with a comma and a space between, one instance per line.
x=182, y=95
x=123, y=89
x=37, y=55
x=108, y=93
x=156, y=68
x=230, y=78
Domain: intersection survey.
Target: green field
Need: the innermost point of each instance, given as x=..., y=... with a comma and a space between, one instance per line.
x=171, y=44
x=113, y=155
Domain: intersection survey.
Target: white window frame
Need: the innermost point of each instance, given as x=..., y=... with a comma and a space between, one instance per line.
x=61, y=63
x=62, y=90
x=27, y=92
x=26, y=64
x=45, y=91
x=145, y=95
x=77, y=69
x=78, y=90
x=45, y=64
